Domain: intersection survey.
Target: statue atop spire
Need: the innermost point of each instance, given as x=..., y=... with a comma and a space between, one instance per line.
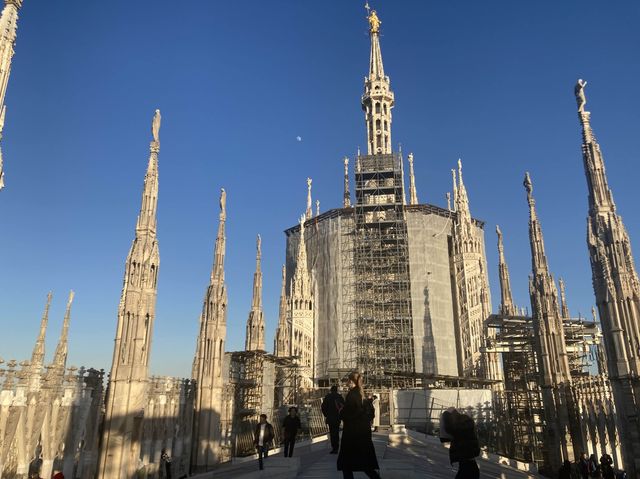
x=581, y=99
x=374, y=22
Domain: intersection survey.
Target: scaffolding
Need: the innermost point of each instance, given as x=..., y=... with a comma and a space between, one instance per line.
x=521, y=434
x=380, y=333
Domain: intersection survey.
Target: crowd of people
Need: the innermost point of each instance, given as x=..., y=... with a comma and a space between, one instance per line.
x=590, y=468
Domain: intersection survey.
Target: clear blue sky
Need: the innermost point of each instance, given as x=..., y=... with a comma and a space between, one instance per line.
x=237, y=82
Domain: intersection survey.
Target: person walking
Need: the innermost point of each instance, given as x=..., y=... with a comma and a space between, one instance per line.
x=262, y=438
x=460, y=430
x=291, y=424
x=332, y=404
x=356, y=448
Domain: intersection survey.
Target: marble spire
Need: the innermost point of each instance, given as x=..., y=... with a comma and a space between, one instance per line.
x=413, y=194
x=564, y=307
x=282, y=346
x=378, y=99
x=209, y=357
x=346, y=199
x=127, y=388
x=8, y=32
x=616, y=287
x=254, y=340
x=550, y=347
x=506, y=299
x=37, y=356
x=60, y=357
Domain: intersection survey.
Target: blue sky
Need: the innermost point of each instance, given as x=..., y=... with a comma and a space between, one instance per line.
x=237, y=82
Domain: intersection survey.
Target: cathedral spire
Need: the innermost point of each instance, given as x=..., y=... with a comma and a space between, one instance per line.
x=8, y=31
x=413, y=194
x=538, y=257
x=37, y=356
x=616, y=287
x=378, y=99
x=60, y=356
x=126, y=398
x=282, y=346
x=309, y=211
x=506, y=302
x=461, y=200
x=148, y=209
x=346, y=201
x=217, y=272
x=600, y=196
x=208, y=360
x=255, y=324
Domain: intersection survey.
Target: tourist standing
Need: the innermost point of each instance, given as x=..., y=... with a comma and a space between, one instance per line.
x=594, y=467
x=262, y=438
x=291, y=424
x=606, y=465
x=565, y=470
x=356, y=448
x=460, y=430
x=332, y=404
x=584, y=466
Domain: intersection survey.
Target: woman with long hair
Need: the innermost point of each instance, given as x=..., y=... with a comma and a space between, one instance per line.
x=356, y=448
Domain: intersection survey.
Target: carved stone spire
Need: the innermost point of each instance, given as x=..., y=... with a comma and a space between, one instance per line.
x=346, y=201
x=282, y=343
x=413, y=194
x=37, y=356
x=462, y=201
x=60, y=356
x=8, y=32
x=309, y=212
x=617, y=290
x=317, y=207
x=126, y=397
x=255, y=324
x=550, y=348
x=506, y=299
x=378, y=99
x=301, y=312
x=208, y=362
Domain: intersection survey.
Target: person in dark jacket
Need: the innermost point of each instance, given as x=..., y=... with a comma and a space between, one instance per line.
x=460, y=430
x=165, y=459
x=332, y=404
x=583, y=465
x=291, y=424
x=356, y=448
x=262, y=438
x=606, y=465
x=565, y=470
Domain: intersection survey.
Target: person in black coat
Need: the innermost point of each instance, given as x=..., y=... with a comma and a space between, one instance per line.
x=356, y=448
x=332, y=404
x=291, y=424
x=460, y=430
x=263, y=438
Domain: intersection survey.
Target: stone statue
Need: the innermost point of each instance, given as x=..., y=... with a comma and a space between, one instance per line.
x=579, y=92
x=374, y=22
x=223, y=201
x=155, y=128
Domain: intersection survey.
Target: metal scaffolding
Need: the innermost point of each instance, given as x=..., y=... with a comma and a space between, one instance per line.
x=380, y=336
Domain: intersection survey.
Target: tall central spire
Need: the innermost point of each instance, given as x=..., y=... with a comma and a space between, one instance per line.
x=506, y=303
x=378, y=99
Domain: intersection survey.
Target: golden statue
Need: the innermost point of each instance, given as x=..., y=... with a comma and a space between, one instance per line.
x=374, y=22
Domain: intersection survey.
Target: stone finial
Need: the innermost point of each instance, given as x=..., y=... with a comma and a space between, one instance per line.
x=317, y=207
x=223, y=204
x=448, y=196
x=309, y=212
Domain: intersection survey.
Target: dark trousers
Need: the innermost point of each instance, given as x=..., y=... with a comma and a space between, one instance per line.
x=334, y=435
x=372, y=473
x=468, y=470
x=263, y=452
x=288, y=447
